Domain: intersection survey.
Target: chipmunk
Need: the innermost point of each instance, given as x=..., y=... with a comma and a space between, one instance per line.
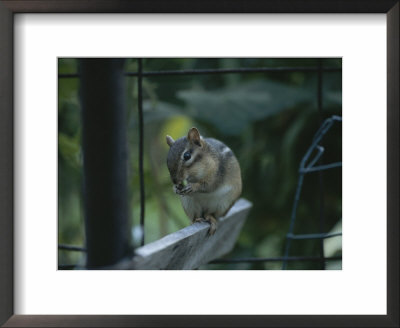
x=206, y=175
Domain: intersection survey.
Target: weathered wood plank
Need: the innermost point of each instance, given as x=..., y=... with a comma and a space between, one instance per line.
x=191, y=247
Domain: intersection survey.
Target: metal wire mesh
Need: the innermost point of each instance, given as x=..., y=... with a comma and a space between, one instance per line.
x=307, y=165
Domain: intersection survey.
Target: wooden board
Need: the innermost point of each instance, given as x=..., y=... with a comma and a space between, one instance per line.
x=192, y=246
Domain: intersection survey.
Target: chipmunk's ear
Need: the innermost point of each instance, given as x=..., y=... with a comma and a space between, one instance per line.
x=194, y=136
x=170, y=141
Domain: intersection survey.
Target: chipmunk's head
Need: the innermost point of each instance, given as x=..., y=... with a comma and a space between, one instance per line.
x=185, y=158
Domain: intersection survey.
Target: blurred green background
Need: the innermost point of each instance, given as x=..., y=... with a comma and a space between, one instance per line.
x=268, y=119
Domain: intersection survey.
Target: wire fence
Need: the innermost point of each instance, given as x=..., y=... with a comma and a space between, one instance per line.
x=308, y=164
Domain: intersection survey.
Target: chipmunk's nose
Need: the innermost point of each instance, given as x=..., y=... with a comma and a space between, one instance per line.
x=179, y=186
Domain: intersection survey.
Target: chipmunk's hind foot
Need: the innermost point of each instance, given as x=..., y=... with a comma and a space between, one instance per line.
x=195, y=220
x=213, y=224
x=211, y=220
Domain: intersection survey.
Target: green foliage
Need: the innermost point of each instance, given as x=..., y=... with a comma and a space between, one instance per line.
x=232, y=109
x=268, y=119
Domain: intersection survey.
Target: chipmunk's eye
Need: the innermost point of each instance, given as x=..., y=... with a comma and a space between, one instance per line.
x=187, y=156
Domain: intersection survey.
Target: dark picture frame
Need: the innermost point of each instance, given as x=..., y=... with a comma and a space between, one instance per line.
x=10, y=7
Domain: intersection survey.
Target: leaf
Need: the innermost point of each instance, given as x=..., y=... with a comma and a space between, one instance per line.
x=232, y=109
x=333, y=246
x=333, y=98
x=69, y=149
x=159, y=111
x=67, y=65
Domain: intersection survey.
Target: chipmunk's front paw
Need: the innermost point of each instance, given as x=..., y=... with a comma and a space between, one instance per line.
x=185, y=190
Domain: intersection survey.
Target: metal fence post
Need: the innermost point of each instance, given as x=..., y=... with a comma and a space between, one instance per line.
x=104, y=160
